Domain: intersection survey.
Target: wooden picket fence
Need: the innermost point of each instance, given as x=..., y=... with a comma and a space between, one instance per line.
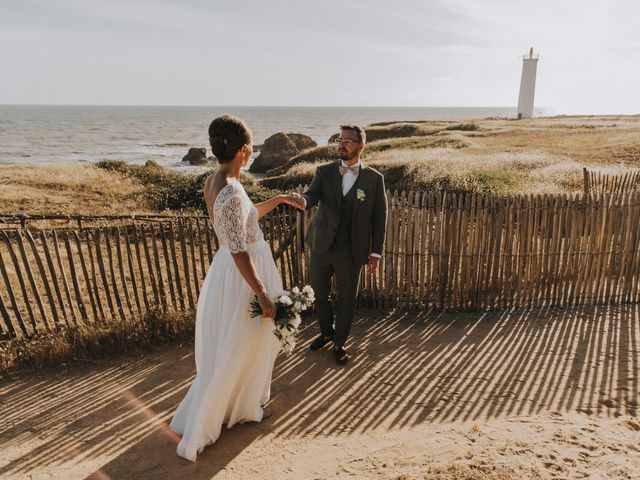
x=473, y=252
x=596, y=182
x=442, y=251
x=114, y=271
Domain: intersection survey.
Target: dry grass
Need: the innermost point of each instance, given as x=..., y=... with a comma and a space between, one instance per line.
x=287, y=176
x=96, y=341
x=500, y=156
x=68, y=189
x=459, y=171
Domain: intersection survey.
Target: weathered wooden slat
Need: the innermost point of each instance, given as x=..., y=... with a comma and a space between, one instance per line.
x=122, y=272
x=43, y=277
x=634, y=269
x=97, y=234
x=207, y=231
x=194, y=268
x=507, y=272
x=132, y=271
x=631, y=250
x=151, y=273
x=176, y=269
x=556, y=221
x=32, y=281
x=23, y=286
x=140, y=263
x=117, y=291
x=14, y=303
x=625, y=246
x=185, y=265
x=54, y=275
x=156, y=257
x=572, y=252
x=496, y=271
x=75, y=279
x=63, y=274
x=201, y=241
x=425, y=230
x=167, y=262
x=93, y=283
x=10, y=329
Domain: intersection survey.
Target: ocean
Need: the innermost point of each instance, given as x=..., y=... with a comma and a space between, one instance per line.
x=135, y=134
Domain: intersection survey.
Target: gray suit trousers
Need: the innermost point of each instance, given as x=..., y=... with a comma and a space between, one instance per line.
x=336, y=262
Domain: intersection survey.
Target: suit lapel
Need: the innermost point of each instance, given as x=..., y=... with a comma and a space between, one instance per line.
x=337, y=182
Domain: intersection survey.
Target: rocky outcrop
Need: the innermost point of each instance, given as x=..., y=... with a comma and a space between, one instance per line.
x=278, y=149
x=197, y=156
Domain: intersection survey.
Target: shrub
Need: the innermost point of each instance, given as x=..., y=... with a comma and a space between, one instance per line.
x=167, y=190
x=141, y=334
x=465, y=127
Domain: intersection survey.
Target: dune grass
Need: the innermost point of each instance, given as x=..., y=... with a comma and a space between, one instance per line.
x=328, y=152
x=465, y=127
x=496, y=156
x=96, y=341
x=387, y=130
x=68, y=189
x=457, y=171
x=168, y=190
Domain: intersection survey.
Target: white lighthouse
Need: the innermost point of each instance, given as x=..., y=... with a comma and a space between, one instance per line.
x=527, y=85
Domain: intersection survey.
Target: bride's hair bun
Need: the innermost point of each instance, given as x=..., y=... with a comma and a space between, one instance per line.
x=227, y=135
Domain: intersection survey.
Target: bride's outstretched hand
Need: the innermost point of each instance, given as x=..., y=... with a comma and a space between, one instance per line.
x=267, y=306
x=294, y=199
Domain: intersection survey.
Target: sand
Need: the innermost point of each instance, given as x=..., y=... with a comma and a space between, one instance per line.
x=525, y=394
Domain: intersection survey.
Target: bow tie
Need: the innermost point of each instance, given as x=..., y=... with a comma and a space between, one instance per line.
x=355, y=169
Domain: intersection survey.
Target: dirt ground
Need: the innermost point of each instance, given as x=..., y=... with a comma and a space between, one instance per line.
x=525, y=394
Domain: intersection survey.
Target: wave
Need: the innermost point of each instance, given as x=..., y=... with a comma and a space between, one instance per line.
x=163, y=145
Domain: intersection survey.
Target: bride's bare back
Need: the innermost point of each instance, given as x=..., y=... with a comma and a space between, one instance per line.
x=212, y=187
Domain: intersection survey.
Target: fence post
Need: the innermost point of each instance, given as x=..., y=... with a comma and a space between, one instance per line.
x=585, y=174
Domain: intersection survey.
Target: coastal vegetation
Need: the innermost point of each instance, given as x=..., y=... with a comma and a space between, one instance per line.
x=489, y=156
x=100, y=340
x=168, y=190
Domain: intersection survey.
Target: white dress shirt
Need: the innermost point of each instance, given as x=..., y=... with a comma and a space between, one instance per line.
x=349, y=178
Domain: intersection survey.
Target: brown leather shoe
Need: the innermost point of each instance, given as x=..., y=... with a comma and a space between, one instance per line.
x=342, y=357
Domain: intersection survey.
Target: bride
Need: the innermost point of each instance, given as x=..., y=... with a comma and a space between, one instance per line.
x=234, y=353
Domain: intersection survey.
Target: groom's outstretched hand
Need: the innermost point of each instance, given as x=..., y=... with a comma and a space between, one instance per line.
x=372, y=266
x=295, y=200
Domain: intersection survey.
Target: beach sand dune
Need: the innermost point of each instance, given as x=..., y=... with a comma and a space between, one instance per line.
x=524, y=394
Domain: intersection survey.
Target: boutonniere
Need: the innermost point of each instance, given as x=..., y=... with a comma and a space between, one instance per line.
x=360, y=194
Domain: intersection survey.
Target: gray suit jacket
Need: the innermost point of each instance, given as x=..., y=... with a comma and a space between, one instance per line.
x=369, y=214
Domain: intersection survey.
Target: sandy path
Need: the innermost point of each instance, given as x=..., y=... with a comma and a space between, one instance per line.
x=510, y=395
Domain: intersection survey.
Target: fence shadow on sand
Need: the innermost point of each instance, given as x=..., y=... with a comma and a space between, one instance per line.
x=409, y=368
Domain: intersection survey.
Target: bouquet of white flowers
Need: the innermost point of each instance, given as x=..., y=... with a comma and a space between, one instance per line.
x=289, y=305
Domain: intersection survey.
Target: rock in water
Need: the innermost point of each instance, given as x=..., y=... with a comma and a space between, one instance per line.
x=301, y=141
x=196, y=156
x=278, y=149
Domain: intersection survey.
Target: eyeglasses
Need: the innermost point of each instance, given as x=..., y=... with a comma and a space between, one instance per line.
x=345, y=141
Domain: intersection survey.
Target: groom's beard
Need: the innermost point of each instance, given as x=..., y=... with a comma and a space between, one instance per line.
x=345, y=155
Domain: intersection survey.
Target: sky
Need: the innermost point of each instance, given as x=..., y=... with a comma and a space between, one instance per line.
x=320, y=52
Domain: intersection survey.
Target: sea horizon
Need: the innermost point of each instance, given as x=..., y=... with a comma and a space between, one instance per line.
x=56, y=133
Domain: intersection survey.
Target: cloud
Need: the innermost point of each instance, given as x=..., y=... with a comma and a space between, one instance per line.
x=323, y=52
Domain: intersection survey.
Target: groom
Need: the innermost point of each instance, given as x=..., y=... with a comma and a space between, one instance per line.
x=346, y=233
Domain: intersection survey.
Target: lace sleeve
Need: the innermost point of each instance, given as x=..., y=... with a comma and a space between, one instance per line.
x=233, y=224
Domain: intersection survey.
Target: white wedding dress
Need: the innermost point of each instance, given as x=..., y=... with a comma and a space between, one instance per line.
x=234, y=353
